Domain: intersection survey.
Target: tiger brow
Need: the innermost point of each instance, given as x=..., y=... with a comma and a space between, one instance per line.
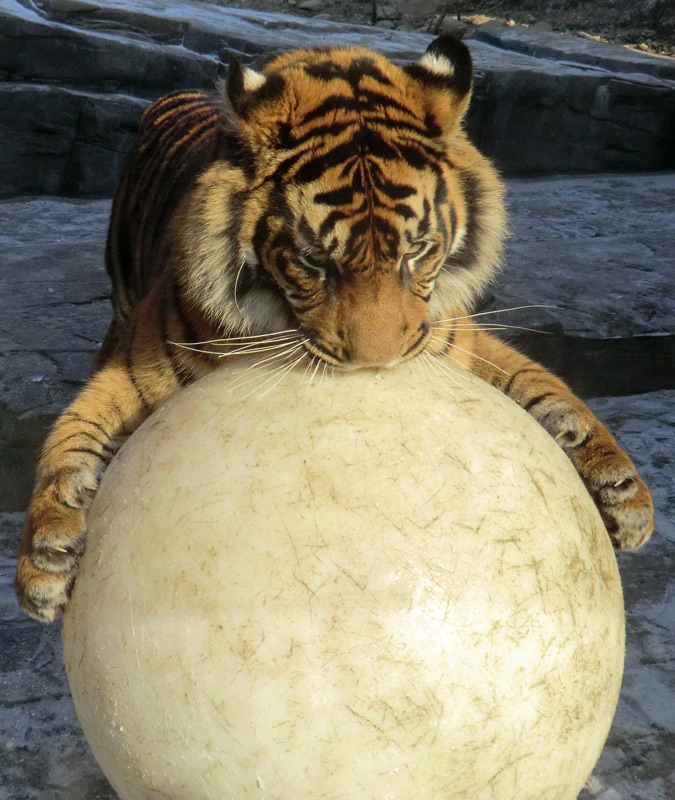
x=315, y=167
x=396, y=191
x=361, y=68
x=336, y=197
x=367, y=98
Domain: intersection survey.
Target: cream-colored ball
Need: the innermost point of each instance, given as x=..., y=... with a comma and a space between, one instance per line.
x=379, y=586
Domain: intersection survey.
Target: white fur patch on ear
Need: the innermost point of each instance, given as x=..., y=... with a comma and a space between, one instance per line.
x=253, y=80
x=438, y=64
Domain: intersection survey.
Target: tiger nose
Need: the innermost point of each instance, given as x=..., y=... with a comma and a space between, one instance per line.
x=377, y=347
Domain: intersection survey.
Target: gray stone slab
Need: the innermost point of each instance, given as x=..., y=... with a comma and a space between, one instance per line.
x=599, y=249
x=533, y=112
x=573, y=49
x=38, y=49
x=54, y=306
x=64, y=141
x=548, y=117
x=54, y=313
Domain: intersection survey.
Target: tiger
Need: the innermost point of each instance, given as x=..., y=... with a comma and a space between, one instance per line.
x=330, y=200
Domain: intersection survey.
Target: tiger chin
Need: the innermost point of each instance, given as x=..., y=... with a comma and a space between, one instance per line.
x=329, y=207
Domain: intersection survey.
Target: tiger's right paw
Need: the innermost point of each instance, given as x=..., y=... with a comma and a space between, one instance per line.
x=51, y=546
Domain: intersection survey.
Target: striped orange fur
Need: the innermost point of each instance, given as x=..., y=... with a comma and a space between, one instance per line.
x=331, y=210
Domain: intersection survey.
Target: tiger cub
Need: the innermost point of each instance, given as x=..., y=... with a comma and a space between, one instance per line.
x=333, y=198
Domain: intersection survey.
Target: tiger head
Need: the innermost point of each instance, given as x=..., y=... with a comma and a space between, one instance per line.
x=366, y=217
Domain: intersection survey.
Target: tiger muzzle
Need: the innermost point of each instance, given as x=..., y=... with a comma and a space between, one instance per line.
x=383, y=327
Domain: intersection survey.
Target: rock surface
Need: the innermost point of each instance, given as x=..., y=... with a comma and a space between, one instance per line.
x=541, y=42
x=598, y=248
x=75, y=75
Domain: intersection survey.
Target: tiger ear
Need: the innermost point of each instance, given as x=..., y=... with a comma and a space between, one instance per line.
x=445, y=74
x=256, y=101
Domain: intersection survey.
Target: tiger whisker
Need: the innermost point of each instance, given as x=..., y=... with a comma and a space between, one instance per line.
x=263, y=348
x=430, y=365
x=440, y=371
x=444, y=355
x=444, y=368
x=263, y=362
x=316, y=368
x=240, y=349
x=309, y=365
x=423, y=367
x=494, y=311
x=442, y=340
x=193, y=349
x=284, y=372
x=490, y=326
x=246, y=341
x=268, y=375
x=229, y=339
x=291, y=332
x=480, y=358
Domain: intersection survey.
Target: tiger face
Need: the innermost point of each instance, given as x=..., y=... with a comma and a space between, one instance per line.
x=357, y=255
x=368, y=216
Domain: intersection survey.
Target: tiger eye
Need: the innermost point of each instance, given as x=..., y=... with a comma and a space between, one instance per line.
x=415, y=248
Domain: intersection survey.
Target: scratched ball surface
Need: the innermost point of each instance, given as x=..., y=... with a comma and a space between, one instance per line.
x=379, y=585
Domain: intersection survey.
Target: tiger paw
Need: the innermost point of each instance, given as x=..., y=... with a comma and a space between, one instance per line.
x=620, y=494
x=49, y=554
x=622, y=498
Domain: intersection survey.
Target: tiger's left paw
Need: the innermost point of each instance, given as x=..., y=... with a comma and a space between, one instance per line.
x=623, y=500
x=620, y=494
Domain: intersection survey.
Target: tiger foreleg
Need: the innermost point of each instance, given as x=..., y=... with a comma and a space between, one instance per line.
x=610, y=476
x=79, y=447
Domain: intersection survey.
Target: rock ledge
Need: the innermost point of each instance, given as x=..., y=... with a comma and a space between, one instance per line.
x=75, y=75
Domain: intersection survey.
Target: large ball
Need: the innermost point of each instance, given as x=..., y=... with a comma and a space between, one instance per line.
x=379, y=585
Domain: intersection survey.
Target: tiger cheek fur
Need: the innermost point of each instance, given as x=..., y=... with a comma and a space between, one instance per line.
x=330, y=210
